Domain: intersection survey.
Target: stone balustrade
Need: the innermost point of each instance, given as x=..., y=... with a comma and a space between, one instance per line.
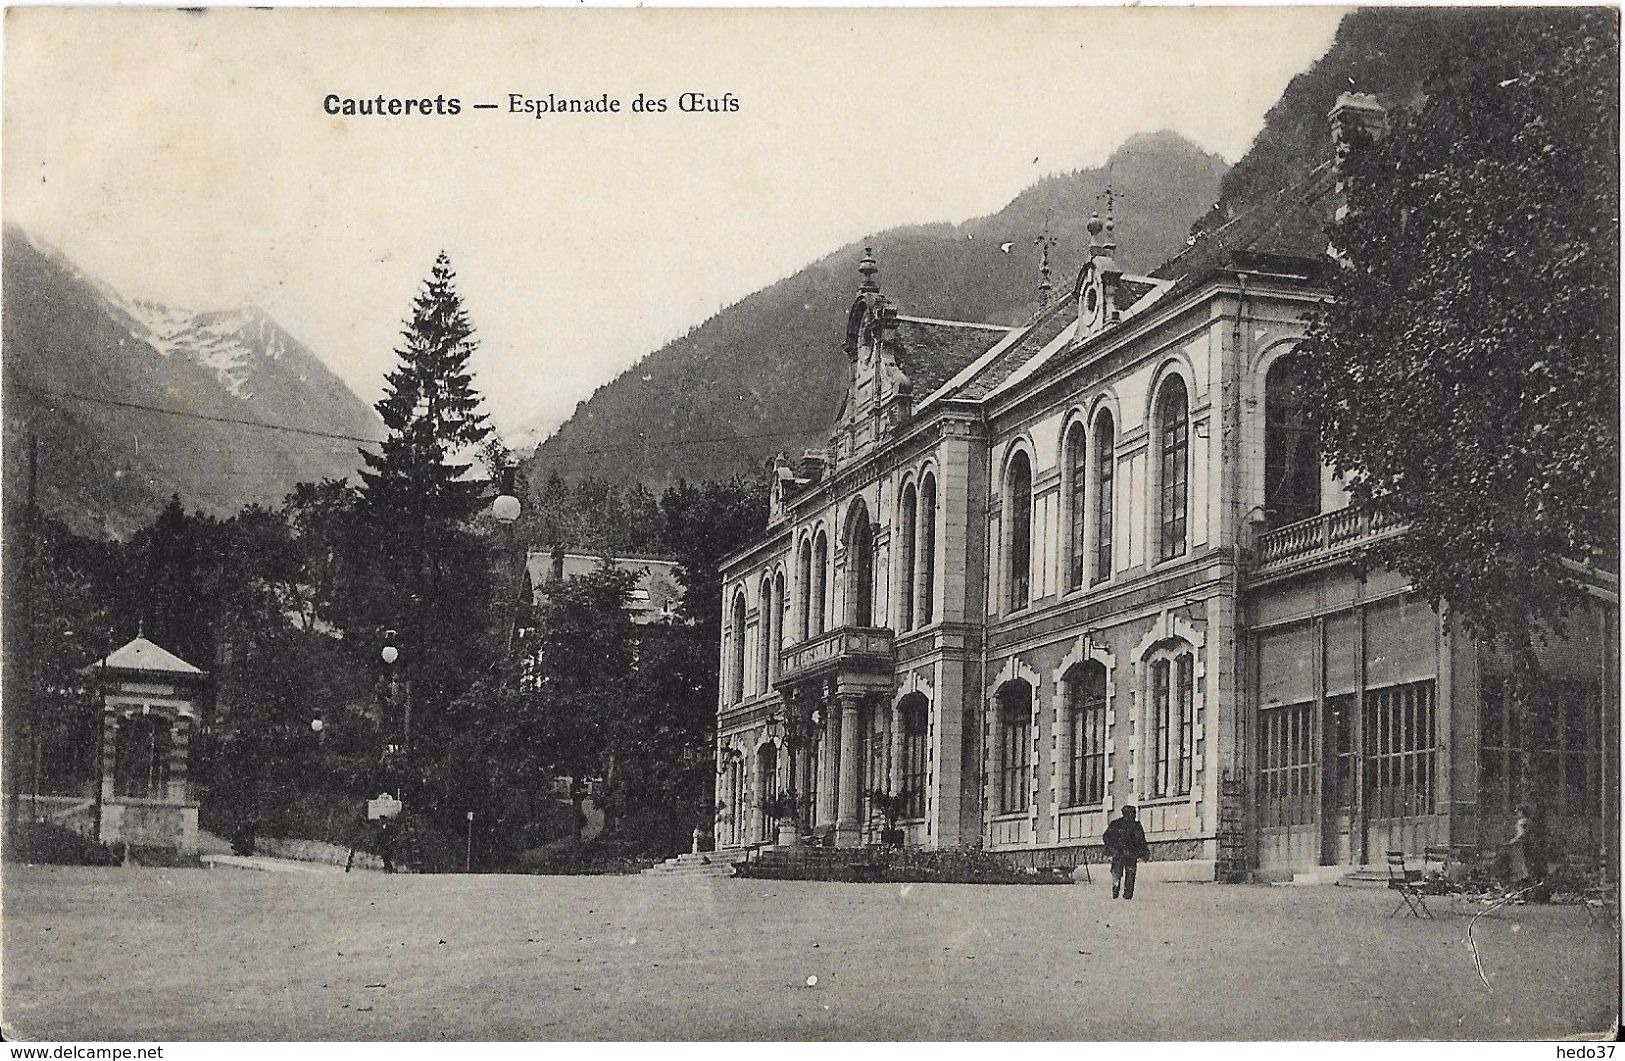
x=1318, y=538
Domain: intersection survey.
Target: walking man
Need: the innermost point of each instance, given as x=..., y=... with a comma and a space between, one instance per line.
x=1125, y=843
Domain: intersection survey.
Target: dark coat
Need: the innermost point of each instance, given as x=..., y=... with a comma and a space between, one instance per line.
x=1126, y=840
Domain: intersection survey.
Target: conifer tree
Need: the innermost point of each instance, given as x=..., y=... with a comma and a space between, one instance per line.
x=432, y=412
x=428, y=576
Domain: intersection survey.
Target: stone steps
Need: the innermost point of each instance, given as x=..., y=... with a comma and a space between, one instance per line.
x=700, y=864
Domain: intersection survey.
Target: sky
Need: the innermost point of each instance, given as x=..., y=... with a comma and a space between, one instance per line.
x=188, y=157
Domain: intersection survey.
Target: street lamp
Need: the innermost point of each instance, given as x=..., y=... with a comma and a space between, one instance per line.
x=506, y=508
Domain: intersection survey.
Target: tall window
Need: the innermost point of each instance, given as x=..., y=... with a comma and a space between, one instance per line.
x=804, y=580
x=916, y=717
x=1173, y=433
x=1105, y=474
x=1077, y=470
x=860, y=566
x=778, y=626
x=1291, y=444
x=764, y=651
x=820, y=580
x=1562, y=743
x=736, y=674
x=1018, y=494
x=767, y=784
x=927, y=552
x=908, y=512
x=1086, y=730
x=1401, y=745
x=1173, y=724
x=1015, y=746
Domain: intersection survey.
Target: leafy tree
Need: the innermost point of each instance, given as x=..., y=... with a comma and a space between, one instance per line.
x=703, y=524
x=1465, y=373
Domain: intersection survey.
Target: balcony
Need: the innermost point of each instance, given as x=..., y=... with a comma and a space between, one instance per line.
x=1318, y=539
x=845, y=650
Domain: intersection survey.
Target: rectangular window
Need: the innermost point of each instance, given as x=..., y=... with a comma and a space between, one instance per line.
x=1015, y=761
x=1160, y=727
x=914, y=776
x=1077, y=509
x=1088, y=743
x=1286, y=765
x=1175, y=458
x=1185, y=700
x=1103, y=505
x=1401, y=746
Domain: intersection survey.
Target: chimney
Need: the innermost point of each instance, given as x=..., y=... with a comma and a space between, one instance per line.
x=1352, y=111
x=812, y=465
x=558, y=564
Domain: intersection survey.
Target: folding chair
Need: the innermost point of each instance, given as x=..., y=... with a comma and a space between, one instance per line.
x=1407, y=882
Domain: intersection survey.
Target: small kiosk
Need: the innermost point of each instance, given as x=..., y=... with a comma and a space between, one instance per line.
x=149, y=713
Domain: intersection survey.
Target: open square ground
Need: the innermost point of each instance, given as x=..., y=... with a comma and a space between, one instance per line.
x=149, y=954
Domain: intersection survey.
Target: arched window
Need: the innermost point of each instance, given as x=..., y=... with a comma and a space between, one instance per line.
x=820, y=580
x=778, y=626
x=1291, y=444
x=1077, y=472
x=916, y=712
x=908, y=513
x=1018, y=507
x=926, y=602
x=769, y=631
x=1015, y=699
x=860, y=566
x=1105, y=487
x=736, y=673
x=804, y=586
x=1086, y=733
x=1173, y=448
x=1172, y=720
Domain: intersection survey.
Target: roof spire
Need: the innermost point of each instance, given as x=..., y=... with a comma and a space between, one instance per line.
x=1109, y=243
x=869, y=269
x=140, y=628
x=1044, y=242
x=1095, y=225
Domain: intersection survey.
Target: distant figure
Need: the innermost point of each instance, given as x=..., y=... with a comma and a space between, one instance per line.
x=1125, y=843
x=1526, y=854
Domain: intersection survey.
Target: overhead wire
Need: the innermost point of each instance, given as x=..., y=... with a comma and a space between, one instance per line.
x=795, y=431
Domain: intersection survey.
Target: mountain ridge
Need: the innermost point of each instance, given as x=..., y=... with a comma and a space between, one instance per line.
x=91, y=374
x=766, y=372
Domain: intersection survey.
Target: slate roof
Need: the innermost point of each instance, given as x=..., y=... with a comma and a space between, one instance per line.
x=142, y=655
x=1292, y=225
x=1049, y=324
x=931, y=352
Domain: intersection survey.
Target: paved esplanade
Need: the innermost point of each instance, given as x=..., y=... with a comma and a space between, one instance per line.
x=140, y=954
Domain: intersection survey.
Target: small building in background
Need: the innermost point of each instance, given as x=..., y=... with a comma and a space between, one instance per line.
x=654, y=598
x=149, y=716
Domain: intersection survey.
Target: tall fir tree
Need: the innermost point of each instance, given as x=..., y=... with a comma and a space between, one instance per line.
x=432, y=412
x=429, y=573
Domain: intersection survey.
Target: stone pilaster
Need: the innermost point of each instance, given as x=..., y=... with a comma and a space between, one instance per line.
x=847, y=828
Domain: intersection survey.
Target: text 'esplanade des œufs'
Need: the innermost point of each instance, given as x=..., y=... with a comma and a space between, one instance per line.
x=603, y=103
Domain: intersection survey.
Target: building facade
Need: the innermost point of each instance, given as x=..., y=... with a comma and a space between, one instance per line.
x=1045, y=571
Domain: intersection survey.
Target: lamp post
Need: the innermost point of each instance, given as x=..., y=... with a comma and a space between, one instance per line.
x=506, y=509
x=798, y=726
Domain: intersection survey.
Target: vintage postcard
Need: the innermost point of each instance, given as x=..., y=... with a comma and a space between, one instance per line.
x=1078, y=524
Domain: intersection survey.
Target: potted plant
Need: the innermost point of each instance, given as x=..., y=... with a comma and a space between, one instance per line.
x=785, y=808
x=891, y=806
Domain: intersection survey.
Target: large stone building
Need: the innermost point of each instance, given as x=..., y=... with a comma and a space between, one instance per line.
x=1045, y=571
